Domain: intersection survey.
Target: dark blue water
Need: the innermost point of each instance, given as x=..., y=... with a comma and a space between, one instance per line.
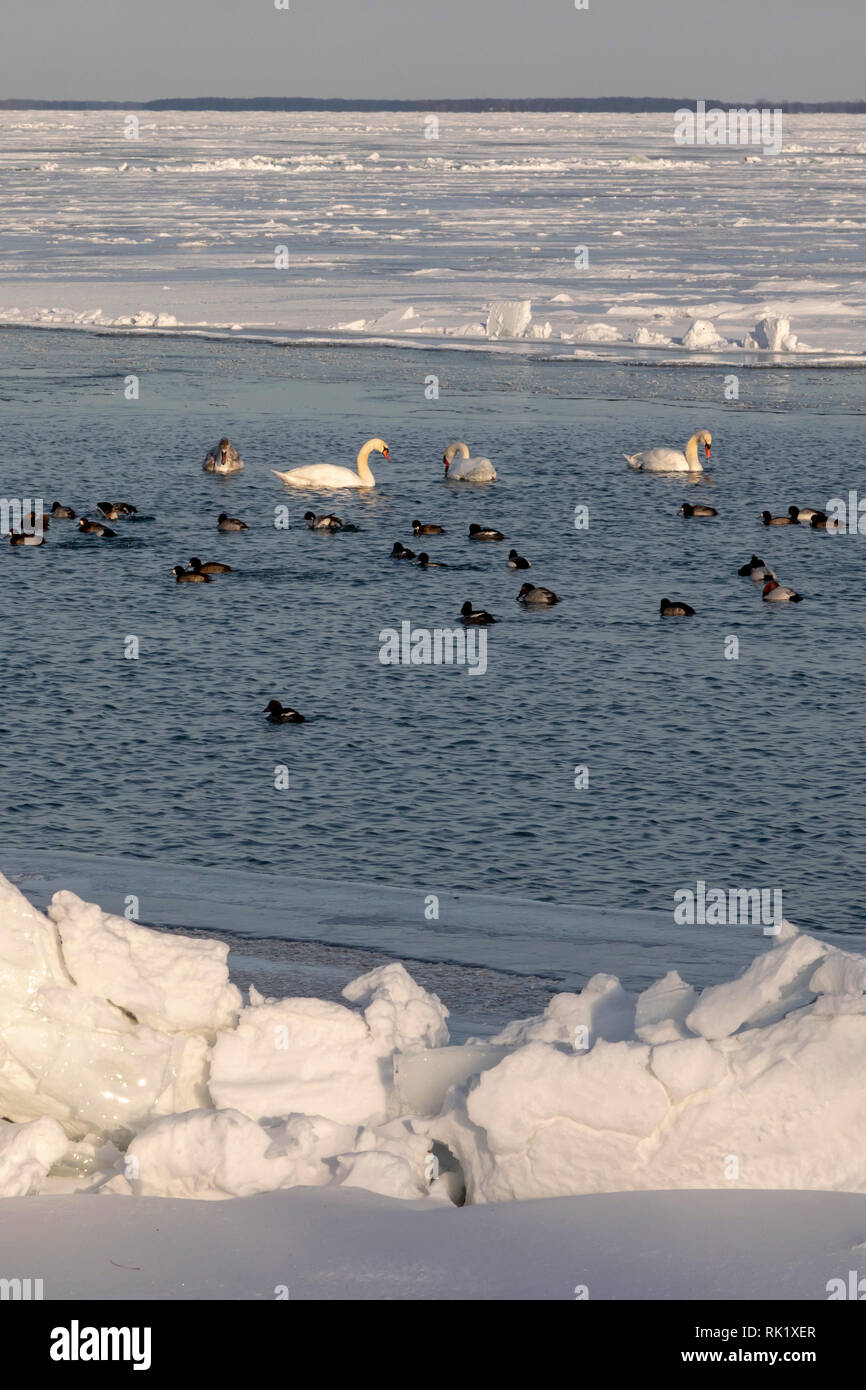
x=743, y=772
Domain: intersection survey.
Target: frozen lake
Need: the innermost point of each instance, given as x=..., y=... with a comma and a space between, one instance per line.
x=354, y=224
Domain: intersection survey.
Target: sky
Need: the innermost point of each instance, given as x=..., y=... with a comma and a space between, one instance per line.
x=133, y=50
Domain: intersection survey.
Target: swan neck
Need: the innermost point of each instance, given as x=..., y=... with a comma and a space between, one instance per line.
x=364, y=470
x=692, y=449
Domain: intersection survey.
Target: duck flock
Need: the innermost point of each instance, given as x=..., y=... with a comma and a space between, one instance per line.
x=672, y=461
x=460, y=466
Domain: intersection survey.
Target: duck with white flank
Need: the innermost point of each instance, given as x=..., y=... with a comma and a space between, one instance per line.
x=484, y=533
x=401, y=552
x=19, y=538
x=223, y=459
x=757, y=571
x=467, y=469
x=282, y=714
x=326, y=522
x=777, y=593
x=518, y=562
x=805, y=514
x=476, y=617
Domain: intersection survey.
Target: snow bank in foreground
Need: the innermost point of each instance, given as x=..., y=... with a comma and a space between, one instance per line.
x=128, y=1064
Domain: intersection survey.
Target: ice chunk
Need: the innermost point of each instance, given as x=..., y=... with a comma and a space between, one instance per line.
x=206, y=1154
x=686, y=1067
x=304, y=1056
x=400, y=1014
x=509, y=318
x=26, y=1153
x=840, y=972
x=29, y=951
x=172, y=982
x=423, y=1079
x=771, y=986
x=662, y=1009
x=773, y=334
x=603, y=1009
x=702, y=335
x=81, y=1060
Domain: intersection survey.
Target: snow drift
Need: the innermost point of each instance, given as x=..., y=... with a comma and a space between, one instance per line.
x=129, y=1064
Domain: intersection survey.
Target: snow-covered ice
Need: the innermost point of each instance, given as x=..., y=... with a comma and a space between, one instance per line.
x=130, y=1065
x=358, y=225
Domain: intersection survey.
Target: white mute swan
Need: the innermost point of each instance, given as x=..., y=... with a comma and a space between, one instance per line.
x=329, y=475
x=671, y=460
x=466, y=469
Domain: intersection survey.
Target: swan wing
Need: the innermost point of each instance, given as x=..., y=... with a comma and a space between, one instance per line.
x=320, y=475
x=662, y=461
x=473, y=470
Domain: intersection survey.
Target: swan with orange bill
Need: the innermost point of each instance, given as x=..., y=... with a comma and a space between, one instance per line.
x=671, y=460
x=327, y=476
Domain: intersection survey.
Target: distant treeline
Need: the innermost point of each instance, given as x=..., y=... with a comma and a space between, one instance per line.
x=433, y=104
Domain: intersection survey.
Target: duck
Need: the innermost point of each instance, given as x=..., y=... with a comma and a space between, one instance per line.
x=223, y=459
x=210, y=567
x=400, y=552
x=777, y=593
x=675, y=609
x=280, y=714
x=19, y=538
x=484, y=533
x=428, y=528
x=326, y=522
x=769, y=520
x=62, y=513
x=467, y=469
x=699, y=509
x=476, y=617
x=533, y=595
x=116, y=511
x=757, y=571
x=182, y=576
x=329, y=475
x=821, y=522
x=425, y=563
x=230, y=523
x=32, y=522
x=95, y=528
x=805, y=513
x=671, y=460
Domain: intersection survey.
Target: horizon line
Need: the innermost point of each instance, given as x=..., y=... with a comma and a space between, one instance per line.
x=550, y=104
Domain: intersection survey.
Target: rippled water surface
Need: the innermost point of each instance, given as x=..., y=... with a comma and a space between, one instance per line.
x=744, y=772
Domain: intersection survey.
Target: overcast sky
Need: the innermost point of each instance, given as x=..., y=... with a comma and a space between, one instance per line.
x=136, y=49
